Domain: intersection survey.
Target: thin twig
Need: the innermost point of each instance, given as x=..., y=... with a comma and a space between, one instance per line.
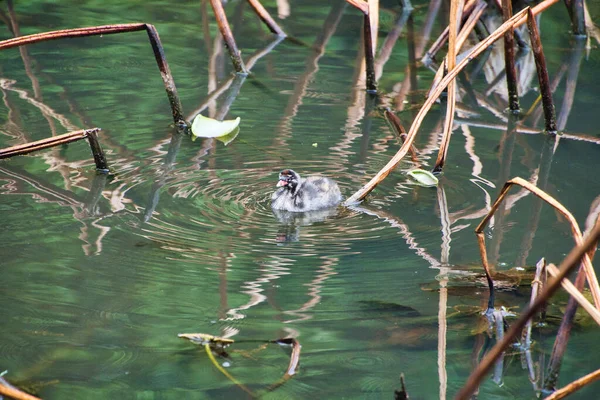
x=542, y=71
x=575, y=386
x=265, y=17
x=234, y=53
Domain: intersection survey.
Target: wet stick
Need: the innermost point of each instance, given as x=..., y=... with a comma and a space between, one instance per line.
x=575, y=386
x=570, y=262
x=542, y=71
x=577, y=13
x=443, y=38
x=234, y=53
x=265, y=17
x=157, y=47
x=509, y=59
x=371, y=78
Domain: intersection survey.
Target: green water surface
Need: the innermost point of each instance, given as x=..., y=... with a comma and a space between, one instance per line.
x=100, y=274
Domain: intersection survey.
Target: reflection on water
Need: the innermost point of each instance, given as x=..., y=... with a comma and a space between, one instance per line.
x=101, y=273
x=291, y=222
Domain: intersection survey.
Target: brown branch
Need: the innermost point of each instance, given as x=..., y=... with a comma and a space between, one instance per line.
x=576, y=294
x=46, y=143
x=265, y=17
x=234, y=53
x=575, y=386
x=542, y=71
x=6, y=389
x=509, y=59
x=157, y=47
x=455, y=8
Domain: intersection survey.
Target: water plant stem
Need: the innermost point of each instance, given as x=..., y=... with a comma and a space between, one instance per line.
x=542, y=71
x=509, y=60
x=234, y=53
x=265, y=17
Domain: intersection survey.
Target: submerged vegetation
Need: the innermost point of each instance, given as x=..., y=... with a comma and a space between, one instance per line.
x=224, y=192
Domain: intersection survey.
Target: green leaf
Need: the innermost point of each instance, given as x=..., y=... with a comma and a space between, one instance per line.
x=423, y=178
x=229, y=137
x=211, y=128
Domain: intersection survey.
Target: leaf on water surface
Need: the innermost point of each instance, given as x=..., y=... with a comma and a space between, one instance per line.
x=203, y=338
x=423, y=178
x=229, y=137
x=211, y=128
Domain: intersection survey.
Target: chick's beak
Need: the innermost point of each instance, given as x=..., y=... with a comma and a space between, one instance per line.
x=281, y=183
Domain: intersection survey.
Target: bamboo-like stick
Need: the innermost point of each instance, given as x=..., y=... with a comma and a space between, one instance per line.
x=401, y=132
x=97, y=152
x=542, y=71
x=570, y=262
x=536, y=286
x=265, y=17
x=443, y=38
x=577, y=14
x=6, y=389
x=519, y=19
x=456, y=7
x=157, y=47
x=576, y=294
x=369, y=54
x=575, y=386
x=371, y=77
x=234, y=53
x=46, y=143
x=509, y=60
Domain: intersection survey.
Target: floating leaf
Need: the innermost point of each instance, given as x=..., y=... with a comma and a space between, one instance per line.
x=211, y=128
x=423, y=178
x=229, y=137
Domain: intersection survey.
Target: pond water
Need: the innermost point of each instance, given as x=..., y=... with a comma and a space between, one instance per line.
x=100, y=274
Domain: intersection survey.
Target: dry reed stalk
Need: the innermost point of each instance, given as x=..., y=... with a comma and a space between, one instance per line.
x=509, y=60
x=6, y=389
x=401, y=132
x=157, y=47
x=456, y=7
x=542, y=71
x=368, y=34
x=443, y=38
x=469, y=24
x=536, y=286
x=46, y=143
x=576, y=294
x=234, y=53
x=516, y=20
x=574, y=386
x=265, y=17
x=571, y=261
